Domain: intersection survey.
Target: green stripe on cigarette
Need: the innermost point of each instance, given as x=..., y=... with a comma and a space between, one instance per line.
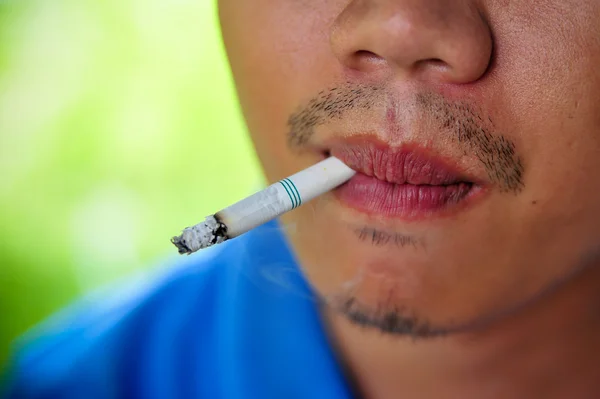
x=295, y=191
x=295, y=199
x=288, y=193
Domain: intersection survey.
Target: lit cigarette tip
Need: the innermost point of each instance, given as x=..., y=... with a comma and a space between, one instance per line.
x=179, y=242
x=203, y=235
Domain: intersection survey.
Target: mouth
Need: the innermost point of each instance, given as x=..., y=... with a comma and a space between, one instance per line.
x=409, y=182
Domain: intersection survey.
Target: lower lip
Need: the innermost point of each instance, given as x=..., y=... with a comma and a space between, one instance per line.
x=406, y=201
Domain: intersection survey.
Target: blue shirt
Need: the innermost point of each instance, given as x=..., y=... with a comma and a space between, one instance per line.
x=234, y=321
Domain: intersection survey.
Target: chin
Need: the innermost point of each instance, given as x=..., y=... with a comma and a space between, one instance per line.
x=414, y=287
x=370, y=283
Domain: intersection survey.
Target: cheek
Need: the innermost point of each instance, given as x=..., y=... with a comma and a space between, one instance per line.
x=547, y=97
x=279, y=54
x=544, y=77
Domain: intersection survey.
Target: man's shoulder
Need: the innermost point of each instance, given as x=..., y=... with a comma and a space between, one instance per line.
x=159, y=335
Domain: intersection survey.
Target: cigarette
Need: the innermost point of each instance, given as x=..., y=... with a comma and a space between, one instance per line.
x=265, y=205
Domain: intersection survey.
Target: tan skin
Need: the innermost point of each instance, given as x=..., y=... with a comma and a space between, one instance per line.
x=513, y=281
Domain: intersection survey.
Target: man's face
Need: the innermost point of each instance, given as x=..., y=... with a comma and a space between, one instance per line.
x=473, y=126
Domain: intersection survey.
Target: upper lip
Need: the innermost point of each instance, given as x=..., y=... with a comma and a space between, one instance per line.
x=408, y=164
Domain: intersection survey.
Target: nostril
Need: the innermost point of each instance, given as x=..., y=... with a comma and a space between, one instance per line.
x=363, y=58
x=432, y=62
x=366, y=54
x=435, y=61
x=435, y=65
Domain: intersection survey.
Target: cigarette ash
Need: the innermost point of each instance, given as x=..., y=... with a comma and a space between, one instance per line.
x=202, y=235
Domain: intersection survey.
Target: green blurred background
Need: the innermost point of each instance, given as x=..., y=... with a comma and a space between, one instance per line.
x=118, y=123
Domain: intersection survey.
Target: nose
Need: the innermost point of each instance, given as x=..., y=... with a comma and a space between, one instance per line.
x=446, y=41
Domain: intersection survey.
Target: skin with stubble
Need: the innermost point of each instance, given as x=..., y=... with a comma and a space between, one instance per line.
x=463, y=260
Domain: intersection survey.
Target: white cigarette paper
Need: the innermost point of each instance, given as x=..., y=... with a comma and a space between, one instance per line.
x=265, y=205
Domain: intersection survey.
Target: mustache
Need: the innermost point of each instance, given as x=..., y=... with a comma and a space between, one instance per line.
x=468, y=128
